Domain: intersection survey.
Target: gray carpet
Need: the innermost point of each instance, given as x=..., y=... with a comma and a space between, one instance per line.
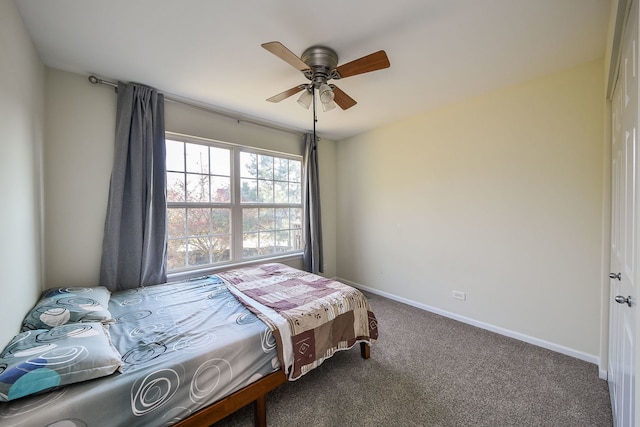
x=427, y=370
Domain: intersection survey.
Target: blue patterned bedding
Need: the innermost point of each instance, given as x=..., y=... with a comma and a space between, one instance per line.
x=184, y=346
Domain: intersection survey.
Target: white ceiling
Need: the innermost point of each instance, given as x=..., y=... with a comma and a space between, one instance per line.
x=441, y=51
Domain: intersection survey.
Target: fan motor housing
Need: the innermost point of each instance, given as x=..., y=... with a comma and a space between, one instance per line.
x=321, y=61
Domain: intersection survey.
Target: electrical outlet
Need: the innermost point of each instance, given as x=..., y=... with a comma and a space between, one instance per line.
x=459, y=295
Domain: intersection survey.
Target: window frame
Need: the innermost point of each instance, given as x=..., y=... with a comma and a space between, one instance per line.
x=236, y=206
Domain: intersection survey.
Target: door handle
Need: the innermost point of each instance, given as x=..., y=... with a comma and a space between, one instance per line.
x=615, y=276
x=622, y=300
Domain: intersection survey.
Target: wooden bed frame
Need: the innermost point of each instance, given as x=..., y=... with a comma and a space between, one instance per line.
x=255, y=392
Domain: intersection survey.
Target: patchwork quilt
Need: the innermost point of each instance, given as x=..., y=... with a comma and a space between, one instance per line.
x=323, y=315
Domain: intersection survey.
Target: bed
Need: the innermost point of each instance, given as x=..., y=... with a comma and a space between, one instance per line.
x=186, y=353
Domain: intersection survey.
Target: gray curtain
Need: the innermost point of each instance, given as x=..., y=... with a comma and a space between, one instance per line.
x=313, y=259
x=134, y=245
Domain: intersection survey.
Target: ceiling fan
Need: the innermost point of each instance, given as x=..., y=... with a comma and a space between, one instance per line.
x=319, y=64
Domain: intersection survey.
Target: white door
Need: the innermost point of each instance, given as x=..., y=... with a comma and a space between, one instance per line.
x=623, y=229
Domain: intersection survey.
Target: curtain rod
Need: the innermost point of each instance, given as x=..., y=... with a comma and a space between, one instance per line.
x=236, y=116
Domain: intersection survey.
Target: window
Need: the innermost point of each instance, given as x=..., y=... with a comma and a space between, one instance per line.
x=227, y=203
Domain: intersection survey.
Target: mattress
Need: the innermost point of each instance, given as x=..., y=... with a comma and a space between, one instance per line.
x=184, y=346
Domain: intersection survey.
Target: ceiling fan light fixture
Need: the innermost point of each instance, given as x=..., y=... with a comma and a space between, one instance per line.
x=328, y=106
x=326, y=94
x=305, y=99
x=319, y=64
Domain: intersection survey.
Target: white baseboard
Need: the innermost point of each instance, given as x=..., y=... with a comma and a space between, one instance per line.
x=602, y=373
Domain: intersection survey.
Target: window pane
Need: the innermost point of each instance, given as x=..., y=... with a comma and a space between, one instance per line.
x=283, y=241
x=197, y=158
x=176, y=251
x=296, y=237
x=176, y=222
x=221, y=221
x=220, y=161
x=265, y=167
x=280, y=169
x=175, y=187
x=248, y=165
x=250, y=220
x=267, y=219
x=250, y=245
x=296, y=217
x=198, y=221
x=249, y=190
x=295, y=169
x=220, y=189
x=265, y=191
x=267, y=243
x=197, y=188
x=280, y=192
x=175, y=155
x=221, y=248
x=199, y=249
x=295, y=193
x=282, y=219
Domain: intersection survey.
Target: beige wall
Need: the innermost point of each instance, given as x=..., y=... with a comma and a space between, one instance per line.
x=499, y=196
x=21, y=125
x=327, y=152
x=80, y=132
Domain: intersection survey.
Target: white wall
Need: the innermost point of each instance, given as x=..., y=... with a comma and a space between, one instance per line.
x=80, y=130
x=21, y=125
x=78, y=159
x=499, y=196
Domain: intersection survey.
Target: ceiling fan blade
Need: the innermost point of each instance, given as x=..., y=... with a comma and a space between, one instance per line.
x=279, y=50
x=373, y=62
x=287, y=93
x=343, y=100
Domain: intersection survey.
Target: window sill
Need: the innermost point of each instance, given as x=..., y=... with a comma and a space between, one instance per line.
x=189, y=274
